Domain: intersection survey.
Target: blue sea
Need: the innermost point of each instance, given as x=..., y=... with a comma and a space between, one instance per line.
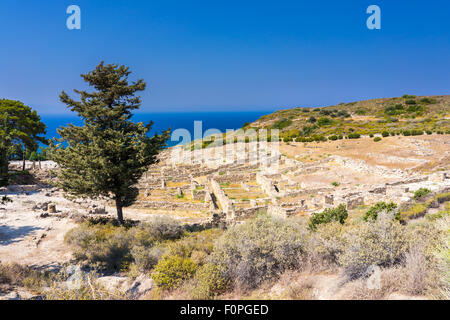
x=210, y=120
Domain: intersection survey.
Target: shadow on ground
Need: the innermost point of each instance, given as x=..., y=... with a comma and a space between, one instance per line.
x=9, y=235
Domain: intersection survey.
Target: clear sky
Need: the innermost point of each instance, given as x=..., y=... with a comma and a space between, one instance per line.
x=228, y=55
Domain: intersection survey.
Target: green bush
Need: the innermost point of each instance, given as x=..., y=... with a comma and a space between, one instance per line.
x=209, y=282
x=428, y=101
x=421, y=193
x=373, y=212
x=382, y=242
x=385, y=134
x=377, y=139
x=282, y=123
x=333, y=138
x=172, y=271
x=354, y=136
x=338, y=214
x=258, y=250
x=324, y=121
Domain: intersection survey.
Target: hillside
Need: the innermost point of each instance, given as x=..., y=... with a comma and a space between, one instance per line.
x=407, y=115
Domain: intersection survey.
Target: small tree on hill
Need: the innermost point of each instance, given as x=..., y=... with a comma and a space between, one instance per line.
x=107, y=155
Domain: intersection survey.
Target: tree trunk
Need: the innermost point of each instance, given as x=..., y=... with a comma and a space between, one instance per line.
x=23, y=158
x=3, y=167
x=119, y=211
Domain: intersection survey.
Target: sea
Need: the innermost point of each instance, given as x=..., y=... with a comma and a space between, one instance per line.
x=221, y=121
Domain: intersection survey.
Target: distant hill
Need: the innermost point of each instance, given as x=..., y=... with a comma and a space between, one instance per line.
x=408, y=115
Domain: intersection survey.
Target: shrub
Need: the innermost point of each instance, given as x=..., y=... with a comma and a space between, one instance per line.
x=161, y=228
x=416, y=132
x=373, y=212
x=335, y=184
x=421, y=192
x=333, y=138
x=382, y=242
x=354, y=136
x=282, y=123
x=385, y=134
x=338, y=214
x=326, y=244
x=324, y=121
x=416, y=211
x=428, y=101
x=111, y=247
x=258, y=250
x=429, y=132
x=104, y=246
x=172, y=271
x=377, y=139
x=209, y=282
x=146, y=258
x=371, y=135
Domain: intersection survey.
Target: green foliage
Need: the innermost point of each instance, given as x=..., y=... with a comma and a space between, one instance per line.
x=20, y=127
x=354, y=136
x=415, y=211
x=377, y=139
x=258, y=250
x=428, y=101
x=324, y=121
x=282, y=123
x=333, y=138
x=421, y=192
x=172, y=271
x=373, y=212
x=209, y=282
x=335, y=184
x=385, y=134
x=411, y=102
x=108, y=154
x=361, y=111
x=338, y=214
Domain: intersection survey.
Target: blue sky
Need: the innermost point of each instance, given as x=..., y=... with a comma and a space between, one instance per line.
x=228, y=55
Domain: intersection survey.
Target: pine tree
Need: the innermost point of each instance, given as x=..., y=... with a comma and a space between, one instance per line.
x=106, y=156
